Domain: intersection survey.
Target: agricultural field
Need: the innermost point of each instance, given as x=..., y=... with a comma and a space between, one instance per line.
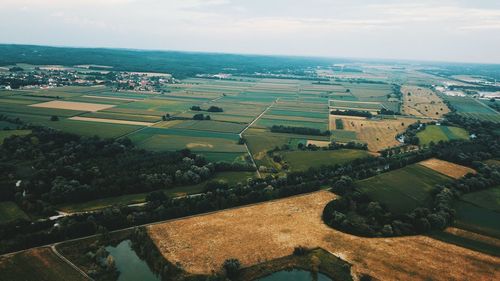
x=379, y=134
x=480, y=212
x=39, y=264
x=473, y=108
x=434, y=133
x=446, y=168
x=303, y=160
x=273, y=229
x=404, y=189
x=9, y=211
x=422, y=102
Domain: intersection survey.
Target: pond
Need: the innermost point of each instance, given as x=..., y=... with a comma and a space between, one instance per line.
x=294, y=275
x=130, y=266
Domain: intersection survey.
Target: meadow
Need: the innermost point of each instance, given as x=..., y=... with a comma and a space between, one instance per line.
x=303, y=160
x=434, y=133
x=404, y=189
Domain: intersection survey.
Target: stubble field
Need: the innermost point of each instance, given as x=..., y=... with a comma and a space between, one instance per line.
x=267, y=231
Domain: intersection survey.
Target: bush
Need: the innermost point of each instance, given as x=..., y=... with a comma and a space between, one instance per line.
x=231, y=267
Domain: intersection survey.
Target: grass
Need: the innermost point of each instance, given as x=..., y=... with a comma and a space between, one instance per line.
x=209, y=125
x=39, y=264
x=264, y=122
x=341, y=135
x=198, y=144
x=434, y=133
x=480, y=211
x=228, y=177
x=9, y=211
x=7, y=133
x=302, y=160
x=404, y=189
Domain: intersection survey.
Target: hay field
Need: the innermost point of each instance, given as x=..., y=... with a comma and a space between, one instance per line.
x=378, y=134
x=447, y=168
x=422, y=102
x=71, y=105
x=271, y=230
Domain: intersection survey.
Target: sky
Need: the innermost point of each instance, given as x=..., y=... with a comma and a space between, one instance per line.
x=445, y=30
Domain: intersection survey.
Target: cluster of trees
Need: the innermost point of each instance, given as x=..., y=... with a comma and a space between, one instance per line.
x=299, y=130
x=410, y=135
x=351, y=112
x=200, y=116
x=68, y=168
x=384, y=111
x=212, y=108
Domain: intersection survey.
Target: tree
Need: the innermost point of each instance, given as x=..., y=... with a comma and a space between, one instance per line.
x=195, y=108
x=54, y=118
x=198, y=116
x=231, y=267
x=207, y=117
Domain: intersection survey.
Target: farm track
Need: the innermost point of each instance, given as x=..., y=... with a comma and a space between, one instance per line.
x=246, y=128
x=64, y=259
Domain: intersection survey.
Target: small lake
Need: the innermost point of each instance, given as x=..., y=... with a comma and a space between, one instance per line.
x=294, y=275
x=130, y=266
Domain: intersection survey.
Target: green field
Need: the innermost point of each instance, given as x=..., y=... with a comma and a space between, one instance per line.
x=7, y=133
x=404, y=189
x=343, y=136
x=473, y=108
x=433, y=133
x=228, y=177
x=264, y=122
x=9, y=211
x=209, y=125
x=302, y=160
x=480, y=211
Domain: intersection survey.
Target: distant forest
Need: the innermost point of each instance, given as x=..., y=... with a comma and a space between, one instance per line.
x=179, y=64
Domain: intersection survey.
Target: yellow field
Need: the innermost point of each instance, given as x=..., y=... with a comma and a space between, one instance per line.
x=446, y=168
x=71, y=105
x=318, y=143
x=267, y=231
x=378, y=134
x=422, y=102
x=112, y=121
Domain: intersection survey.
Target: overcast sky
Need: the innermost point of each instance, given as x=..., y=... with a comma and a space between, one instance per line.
x=446, y=30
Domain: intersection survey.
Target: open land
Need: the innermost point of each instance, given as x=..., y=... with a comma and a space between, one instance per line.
x=434, y=133
x=378, y=134
x=404, y=189
x=271, y=230
x=39, y=264
x=422, y=102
